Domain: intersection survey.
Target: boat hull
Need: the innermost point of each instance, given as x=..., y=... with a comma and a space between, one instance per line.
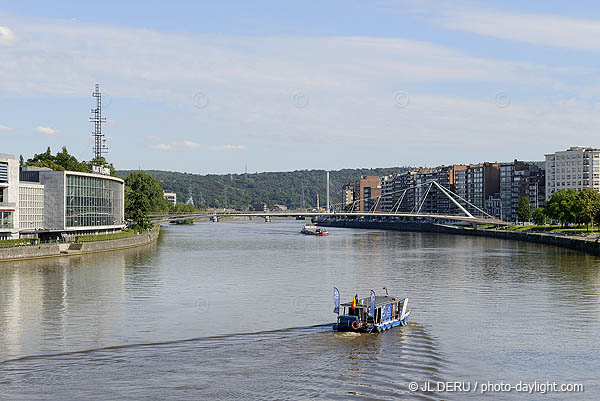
x=378, y=328
x=319, y=234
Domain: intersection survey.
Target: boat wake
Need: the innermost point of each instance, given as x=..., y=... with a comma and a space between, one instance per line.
x=298, y=363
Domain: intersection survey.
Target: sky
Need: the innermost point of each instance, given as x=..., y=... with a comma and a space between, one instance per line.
x=213, y=87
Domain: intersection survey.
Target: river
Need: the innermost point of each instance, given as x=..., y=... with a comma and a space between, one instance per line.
x=242, y=310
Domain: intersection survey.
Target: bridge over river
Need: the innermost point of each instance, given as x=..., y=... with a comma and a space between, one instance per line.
x=467, y=212
x=384, y=216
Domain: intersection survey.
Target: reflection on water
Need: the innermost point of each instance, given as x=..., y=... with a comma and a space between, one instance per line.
x=166, y=320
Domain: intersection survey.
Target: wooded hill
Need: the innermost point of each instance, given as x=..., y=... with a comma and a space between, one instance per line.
x=241, y=190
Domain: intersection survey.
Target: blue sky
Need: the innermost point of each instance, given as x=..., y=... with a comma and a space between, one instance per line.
x=208, y=87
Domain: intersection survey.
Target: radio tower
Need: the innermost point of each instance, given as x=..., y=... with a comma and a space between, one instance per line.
x=97, y=119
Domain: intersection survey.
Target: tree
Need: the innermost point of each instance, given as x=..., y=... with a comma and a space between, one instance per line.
x=21, y=161
x=62, y=161
x=562, y=206
x=539, y=217
x=184, y=208
x=137, y=208
x=65, y=161
x=524, y=209
x=151, y=188
x=588, y=204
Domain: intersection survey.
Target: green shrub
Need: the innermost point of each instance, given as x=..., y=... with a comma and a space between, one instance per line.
x=105, y=237
x=11, y=243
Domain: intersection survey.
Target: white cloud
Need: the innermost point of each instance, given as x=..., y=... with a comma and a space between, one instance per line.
x=47, y=130
x=4, y=128
x=187, y=144
x=64, y=57
x=191, y=144
x=162, y=146
x=536, y=29
x=7, y=37
x=226, y=148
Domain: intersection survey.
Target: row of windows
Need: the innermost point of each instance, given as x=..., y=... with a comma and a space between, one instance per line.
x=575, y=183
x=574, y=155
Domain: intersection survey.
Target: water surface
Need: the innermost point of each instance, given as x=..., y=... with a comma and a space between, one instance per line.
x=240, y=310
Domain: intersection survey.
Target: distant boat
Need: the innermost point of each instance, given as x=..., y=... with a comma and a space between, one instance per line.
x=311, y=229
x=372, y=314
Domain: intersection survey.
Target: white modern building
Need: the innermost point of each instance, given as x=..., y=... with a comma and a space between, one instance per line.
x=73, y=202
x=171, y=197
x=9, y=196
x=31, y=207
x=575, y=168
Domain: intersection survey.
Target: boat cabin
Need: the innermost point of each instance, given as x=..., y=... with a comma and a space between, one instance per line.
x=388, y=312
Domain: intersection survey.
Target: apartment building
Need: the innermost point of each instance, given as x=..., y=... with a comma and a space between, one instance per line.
x=398, y=191
x=429, y=198
x=476, y=183
x=348, y=195
x=575, y=168
x=367, y=193
x=518, y=179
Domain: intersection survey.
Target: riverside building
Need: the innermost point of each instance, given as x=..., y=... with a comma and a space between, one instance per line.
x=518, y=179
x=367, y=193
x=476, y=183
x=9, y=197
x=575, y=168
x=398, y=191
x=73, y=202
x=348, y=195
x=429, y=199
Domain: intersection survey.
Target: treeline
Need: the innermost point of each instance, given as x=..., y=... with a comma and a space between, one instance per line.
x=294, y=189
x=565, y=207
x=63, y=161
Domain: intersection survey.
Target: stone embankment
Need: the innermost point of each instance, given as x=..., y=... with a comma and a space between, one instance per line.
x=591, y=246
x=74, y=248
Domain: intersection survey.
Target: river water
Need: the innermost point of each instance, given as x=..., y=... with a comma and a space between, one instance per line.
x=242, y=310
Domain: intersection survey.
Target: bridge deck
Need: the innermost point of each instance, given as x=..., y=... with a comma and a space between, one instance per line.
x=477, y=220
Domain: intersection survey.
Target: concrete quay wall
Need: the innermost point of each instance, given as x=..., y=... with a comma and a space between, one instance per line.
x=55, y=250
x=30, y=252
x=580, y=244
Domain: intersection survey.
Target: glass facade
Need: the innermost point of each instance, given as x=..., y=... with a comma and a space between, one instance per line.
x=6, y=219
x=93, y=201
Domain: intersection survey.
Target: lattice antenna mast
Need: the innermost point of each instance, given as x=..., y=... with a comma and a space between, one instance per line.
x=97, y=119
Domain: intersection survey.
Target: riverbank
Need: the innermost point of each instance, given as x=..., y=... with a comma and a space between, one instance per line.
x=591, y=246
x=75, y=248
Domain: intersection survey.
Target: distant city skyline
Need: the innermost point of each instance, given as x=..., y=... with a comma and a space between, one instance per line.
x=211, y=88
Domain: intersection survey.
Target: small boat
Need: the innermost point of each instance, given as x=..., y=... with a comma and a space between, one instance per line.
x=311, y=229
x=372, y=314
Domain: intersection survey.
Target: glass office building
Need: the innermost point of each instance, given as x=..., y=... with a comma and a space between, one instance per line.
x=77, y=202
x=93, y=201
